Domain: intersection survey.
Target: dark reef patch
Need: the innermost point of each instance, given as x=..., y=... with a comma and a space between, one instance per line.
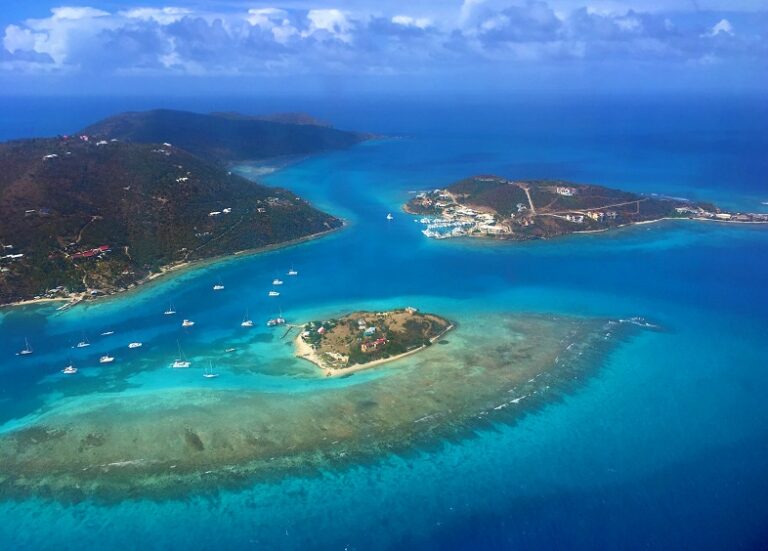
x=193, y=440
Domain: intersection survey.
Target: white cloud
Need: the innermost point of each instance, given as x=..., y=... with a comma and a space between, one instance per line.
x=630, y=24
x=270, y=40
x=275, y=21
x=54, y=35
x=467, y=7
x=407, y=21
x=75, y=13
x=285, y=32
x=17, y=39
x=265, y=17
x=164, y=16
x=331, y=21
x=721, y=27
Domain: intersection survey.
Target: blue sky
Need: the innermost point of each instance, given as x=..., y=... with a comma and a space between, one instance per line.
x=429, y=46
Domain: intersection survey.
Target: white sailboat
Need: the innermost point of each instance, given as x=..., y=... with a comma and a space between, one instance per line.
x=208, y=373
x=390, y=217
x=247, y=322
x=293, y=272
x=181, y=362
x=69, y=370
x=106, y=359
x=171, y=310
x=27, y=350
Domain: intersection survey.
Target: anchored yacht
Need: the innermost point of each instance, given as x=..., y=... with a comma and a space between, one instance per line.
x=69, y=370
x=181, y=362
x=247, y=322
x=209, y=374
x=26, y=351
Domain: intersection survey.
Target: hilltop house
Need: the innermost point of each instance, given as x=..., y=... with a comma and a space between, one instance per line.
x=368, y=347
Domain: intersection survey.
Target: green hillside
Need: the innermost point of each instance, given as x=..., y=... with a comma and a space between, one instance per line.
x=150, y=205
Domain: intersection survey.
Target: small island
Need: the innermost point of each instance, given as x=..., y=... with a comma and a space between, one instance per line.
x=495, y=207
x=364, y=339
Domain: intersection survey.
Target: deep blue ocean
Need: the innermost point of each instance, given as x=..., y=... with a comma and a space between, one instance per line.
x=665, y=446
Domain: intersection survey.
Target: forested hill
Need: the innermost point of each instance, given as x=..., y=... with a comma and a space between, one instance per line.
x=225, y=137
x=99, y=215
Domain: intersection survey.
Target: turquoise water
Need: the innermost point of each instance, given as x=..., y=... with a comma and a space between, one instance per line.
x=664, y=446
